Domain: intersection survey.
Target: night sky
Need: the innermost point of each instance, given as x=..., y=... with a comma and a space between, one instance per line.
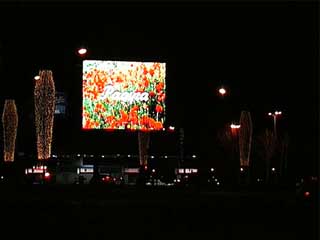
x=265, y=54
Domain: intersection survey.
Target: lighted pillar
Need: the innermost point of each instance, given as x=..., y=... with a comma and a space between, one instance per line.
x=10, y=125
x=144, y=140
x=44, y=100
x=245, y=139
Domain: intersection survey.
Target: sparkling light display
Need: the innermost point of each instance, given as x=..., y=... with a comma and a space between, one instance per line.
x=44, y=100
x=245, y=138
x=10, y=124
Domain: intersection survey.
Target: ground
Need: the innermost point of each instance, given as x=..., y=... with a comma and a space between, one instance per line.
x=87, y=212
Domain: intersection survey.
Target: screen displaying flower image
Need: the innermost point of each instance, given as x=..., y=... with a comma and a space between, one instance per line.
x=123, y=95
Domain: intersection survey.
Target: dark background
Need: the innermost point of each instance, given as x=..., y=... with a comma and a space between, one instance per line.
x=266, y=54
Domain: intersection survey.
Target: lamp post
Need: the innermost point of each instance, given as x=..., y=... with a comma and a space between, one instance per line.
x=222, y=91
x=82, y=51
x=275, y=115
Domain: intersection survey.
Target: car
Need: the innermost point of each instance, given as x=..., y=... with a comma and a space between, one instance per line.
x=307, y=190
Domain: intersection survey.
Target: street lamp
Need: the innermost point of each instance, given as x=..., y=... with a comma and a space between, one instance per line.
x=274, y=115
x=234, y=126
x=234, y=129
x=222, y=91
x=82, y=51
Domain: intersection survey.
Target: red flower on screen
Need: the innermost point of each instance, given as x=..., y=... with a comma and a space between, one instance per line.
x=159, y=108
x=152, y=94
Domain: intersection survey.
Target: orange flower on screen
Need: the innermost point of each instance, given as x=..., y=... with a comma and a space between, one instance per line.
x=159, y=86
x=135, y=108
x=161, y=97
x=87, y=124
x=124, y=117
x=134, y=120
x=144, y=121
x=145, y=82
x=158, y=125
x=119, y=80
x=110, y=119
x=99, y=107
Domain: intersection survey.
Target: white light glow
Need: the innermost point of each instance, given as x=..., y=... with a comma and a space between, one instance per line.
x=82, y=51
x=222, y=91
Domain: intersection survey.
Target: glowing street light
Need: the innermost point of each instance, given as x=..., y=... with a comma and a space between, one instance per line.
x=37, y=77
x=222, y=91
x=82, y=51
x=275, y=115
x=234, y=126
x=171, y=128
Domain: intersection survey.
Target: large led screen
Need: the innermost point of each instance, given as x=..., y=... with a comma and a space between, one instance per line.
x=123, y=95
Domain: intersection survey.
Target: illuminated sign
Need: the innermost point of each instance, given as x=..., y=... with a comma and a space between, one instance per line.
x=131, y=170
x=85, y=170
x=36, y=169
x=123, y=95
x=186, y=170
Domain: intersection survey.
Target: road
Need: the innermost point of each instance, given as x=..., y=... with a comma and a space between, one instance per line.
x=86, y=212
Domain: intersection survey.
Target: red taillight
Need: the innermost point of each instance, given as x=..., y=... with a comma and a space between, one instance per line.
x=307, y=194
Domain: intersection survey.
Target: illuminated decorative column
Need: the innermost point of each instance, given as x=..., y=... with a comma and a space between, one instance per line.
x=44, y=100
x=245, y=138
x=10, y=124
x=144, y=140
